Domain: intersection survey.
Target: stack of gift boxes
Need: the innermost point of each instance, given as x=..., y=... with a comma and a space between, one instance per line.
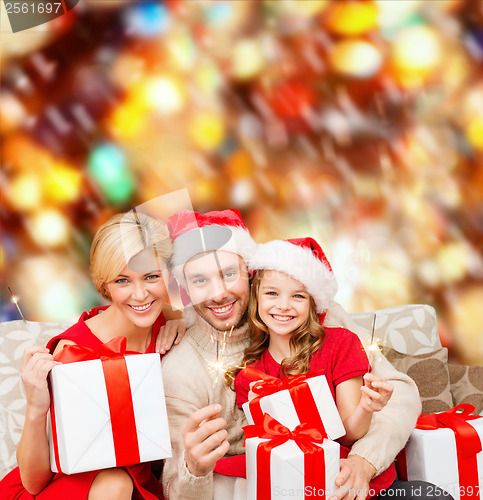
x=290, y=447
x=294, y=423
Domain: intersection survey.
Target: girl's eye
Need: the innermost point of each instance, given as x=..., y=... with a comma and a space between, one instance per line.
x=298, y=296
x=272, y=294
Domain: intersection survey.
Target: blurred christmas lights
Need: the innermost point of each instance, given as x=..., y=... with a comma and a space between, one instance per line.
x=356, y=122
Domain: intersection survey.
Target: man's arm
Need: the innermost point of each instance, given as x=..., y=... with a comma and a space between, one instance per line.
x=389, y=431
x=391, y=427
x=396, y=420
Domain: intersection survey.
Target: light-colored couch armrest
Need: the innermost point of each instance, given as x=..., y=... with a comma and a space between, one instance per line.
x=15, y=336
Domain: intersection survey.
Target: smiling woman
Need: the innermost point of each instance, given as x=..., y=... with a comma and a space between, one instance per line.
x=128, y=268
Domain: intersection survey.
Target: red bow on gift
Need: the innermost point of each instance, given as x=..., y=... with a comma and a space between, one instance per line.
x=299, y=390
x=115, y=348
x=468, y=444
x=269, y=385
x=304, y=435
x=467, y=438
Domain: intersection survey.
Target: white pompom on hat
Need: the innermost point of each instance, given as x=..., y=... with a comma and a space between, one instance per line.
x=304, y=260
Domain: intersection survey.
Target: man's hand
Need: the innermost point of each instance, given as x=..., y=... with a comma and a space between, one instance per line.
x=204, y=438
x=353, y=479
x=172, y=331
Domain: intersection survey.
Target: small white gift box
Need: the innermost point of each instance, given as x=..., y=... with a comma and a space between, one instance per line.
x=286, y=406
x=100, y=419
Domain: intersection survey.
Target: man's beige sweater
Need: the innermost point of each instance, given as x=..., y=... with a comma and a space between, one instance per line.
x=191, y=384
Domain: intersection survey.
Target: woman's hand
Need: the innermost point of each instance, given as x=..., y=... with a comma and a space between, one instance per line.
x=170, y=334
x=36, y=365
x=376, y=392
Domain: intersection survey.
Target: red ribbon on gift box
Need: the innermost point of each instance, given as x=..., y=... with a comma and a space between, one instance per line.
x=305, y=437
x=468, y=444
x=119, y=396
x=299, y=391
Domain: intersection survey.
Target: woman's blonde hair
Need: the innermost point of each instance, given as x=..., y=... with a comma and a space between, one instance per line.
x=304, y=342
x=122, y=237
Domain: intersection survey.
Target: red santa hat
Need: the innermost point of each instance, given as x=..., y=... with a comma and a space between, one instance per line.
x=302, y=259
x=193, y=233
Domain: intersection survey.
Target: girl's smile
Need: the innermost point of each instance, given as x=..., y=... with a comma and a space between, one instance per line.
x=283, y=303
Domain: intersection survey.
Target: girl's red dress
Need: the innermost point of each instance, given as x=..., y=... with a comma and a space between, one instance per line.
x=76, y=486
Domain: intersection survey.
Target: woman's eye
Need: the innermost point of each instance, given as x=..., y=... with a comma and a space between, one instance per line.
x=121, y=281
x=152, y=277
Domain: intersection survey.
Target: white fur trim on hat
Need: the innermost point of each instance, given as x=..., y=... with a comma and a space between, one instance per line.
x=299, y=263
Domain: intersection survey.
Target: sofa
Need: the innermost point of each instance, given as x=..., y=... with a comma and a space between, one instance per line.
x=407, y=335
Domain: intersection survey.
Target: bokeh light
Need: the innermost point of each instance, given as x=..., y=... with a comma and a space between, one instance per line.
x=146, y=19
x=352, y=18
x=207, y=130
x=165, y=94
x=25, y=192
x=356, y=58
x=108, y=168
x=49, y=228
x=416, y=54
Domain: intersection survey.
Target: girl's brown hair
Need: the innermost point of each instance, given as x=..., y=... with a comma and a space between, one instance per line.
x=304, y=342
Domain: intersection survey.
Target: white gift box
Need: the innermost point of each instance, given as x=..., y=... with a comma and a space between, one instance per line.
x=431, y=456
x=287, y=475
x=82, y=417
x=281, y=407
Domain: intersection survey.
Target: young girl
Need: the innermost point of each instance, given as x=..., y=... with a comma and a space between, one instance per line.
x=291, y=290
x=128, y=260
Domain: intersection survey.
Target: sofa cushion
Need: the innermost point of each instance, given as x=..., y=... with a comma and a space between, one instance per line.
x=408, y=329
x=15, y=336
x=467, y=385
x=430, y=372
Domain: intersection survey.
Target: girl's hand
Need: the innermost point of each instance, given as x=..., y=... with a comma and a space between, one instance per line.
x=172, y=332
x=36, y=365
x=376, y=392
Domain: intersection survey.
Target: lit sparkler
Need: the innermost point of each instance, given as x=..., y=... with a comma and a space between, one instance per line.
x=373, y=346
x=15, y=301
x=218, y=367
